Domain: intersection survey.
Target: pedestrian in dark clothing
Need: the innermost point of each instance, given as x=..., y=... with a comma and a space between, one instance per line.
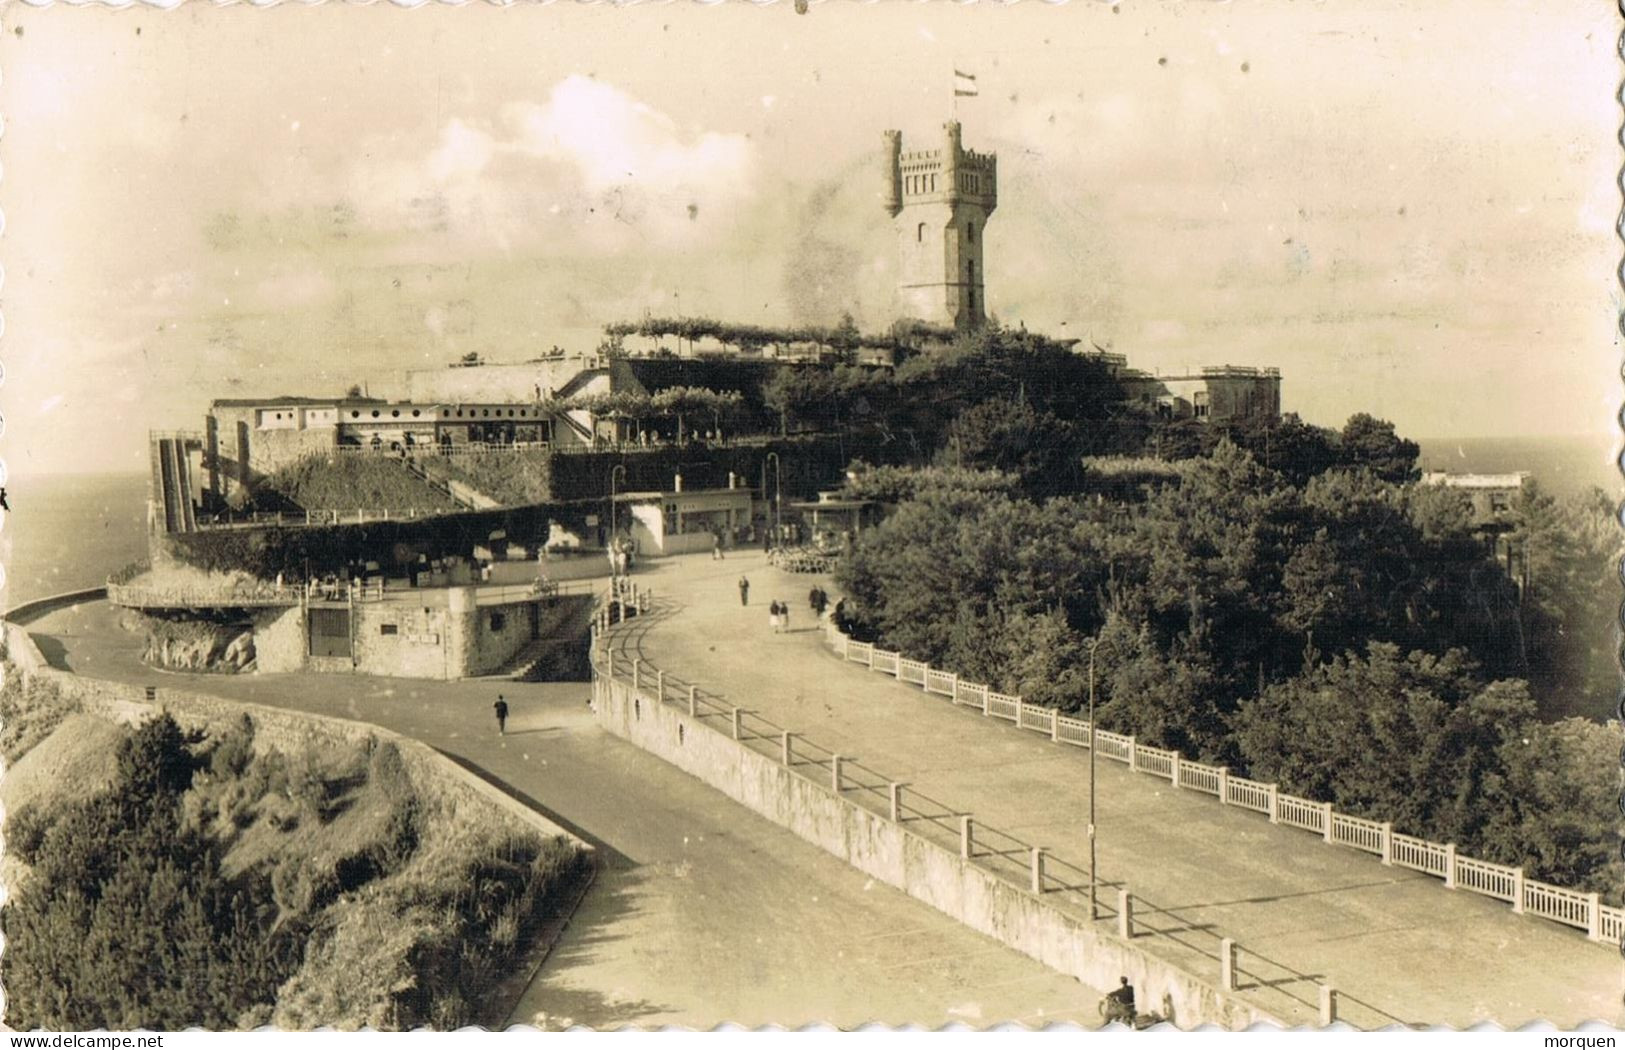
x=501, y=708
x=744, y=591
x=812, y=600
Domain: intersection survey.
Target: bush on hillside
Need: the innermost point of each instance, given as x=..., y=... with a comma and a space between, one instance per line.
x=356, y=482
x=30, y=709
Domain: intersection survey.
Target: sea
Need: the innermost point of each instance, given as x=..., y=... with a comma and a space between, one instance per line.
x=70, y=531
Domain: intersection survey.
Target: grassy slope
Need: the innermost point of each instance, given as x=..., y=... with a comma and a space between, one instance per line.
x=513, y=479
x=411, y=909
x=347, y=483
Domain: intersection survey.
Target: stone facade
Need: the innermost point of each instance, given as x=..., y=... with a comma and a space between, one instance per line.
x=1220, y=394
x=940, y=200
x=446, y=636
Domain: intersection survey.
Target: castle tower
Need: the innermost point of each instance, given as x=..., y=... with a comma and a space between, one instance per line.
x=939, y=201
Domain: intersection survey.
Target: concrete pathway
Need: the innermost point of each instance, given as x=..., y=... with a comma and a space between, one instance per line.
x=702, y=913
x=1396, y=944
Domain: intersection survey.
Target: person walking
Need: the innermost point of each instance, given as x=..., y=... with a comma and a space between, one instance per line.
x=501, y=708
x=784, y=616
x=716, y=546
x=813, y=598
x=744, y=591
x=773, y=616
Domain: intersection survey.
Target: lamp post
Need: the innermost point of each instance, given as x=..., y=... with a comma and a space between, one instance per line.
x=778, y=494
x=619, y=468
x=1094, y=909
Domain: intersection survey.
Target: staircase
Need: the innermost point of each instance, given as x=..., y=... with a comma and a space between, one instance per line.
x=560, y=655
x=172, y=481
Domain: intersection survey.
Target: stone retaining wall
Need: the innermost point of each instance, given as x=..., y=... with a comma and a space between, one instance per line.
x=894, y=855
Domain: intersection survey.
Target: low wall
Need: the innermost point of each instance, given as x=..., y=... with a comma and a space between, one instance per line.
x=432, y=773
x=28, y=612
x=893, y=854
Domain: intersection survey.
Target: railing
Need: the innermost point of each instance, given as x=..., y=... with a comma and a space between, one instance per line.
x=1007, y=857
x=1503, y=882
x=1250, y=794
x=1492, y=880
x=317, y=518
x=1155, y=761
x=431, y=448
x=1301, y=813
x=1421, y=855
x=139, y=597
x=1362, y=834
x=1197, y=777
x=1001, y=706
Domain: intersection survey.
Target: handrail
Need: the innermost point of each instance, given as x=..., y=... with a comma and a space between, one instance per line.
x=1566, y=906
x=1003, y=855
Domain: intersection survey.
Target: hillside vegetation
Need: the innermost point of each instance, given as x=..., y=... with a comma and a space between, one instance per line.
x=206, y=879
x=513, y=479
x=349, y=483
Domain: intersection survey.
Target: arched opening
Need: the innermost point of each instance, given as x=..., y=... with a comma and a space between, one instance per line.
x=919, y=234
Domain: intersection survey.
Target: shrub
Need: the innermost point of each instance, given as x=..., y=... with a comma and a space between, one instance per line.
x=30, y=710
x=233, y=750
x=26, y=827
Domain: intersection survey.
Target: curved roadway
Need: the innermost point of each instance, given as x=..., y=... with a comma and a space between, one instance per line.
x=1396, y=944
x=703, y=913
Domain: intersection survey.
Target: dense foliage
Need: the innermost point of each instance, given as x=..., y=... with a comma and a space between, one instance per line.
x=375, y=483
x=1283, y=599
x=215, y=884
x=127, y=920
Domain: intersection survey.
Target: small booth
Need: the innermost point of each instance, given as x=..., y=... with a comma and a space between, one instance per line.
x=682, y=522
x=833, y=520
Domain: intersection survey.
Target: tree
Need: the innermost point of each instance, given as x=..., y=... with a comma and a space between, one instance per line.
x=1012, y=438
x=1565, y=555
x=1407, y=737
x=127, y=921
x=1371, y=444
x=1551, y=806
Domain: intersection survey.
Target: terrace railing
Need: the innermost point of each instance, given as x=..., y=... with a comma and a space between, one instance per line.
x=1582, y=911
x=1272, y=985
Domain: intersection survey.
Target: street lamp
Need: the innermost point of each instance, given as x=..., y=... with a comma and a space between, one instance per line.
x=619, y=468
x=778, y=494
x=1094, y=908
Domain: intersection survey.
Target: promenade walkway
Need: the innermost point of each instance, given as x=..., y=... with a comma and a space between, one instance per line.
x=1396, y=944
x=702, y=912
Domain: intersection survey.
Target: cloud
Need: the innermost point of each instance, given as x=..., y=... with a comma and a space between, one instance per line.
x=591, y=169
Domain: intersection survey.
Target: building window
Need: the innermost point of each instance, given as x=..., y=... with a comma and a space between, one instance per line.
x=396, y=413
x=970, y=232
x=415, y=413
x=498, y=621
x=919, y=234
x=354, y=414
x=375, y=413
x=389, y=628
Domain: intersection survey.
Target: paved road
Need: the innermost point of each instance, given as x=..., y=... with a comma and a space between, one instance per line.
x=1396, y=944
x=703, y=912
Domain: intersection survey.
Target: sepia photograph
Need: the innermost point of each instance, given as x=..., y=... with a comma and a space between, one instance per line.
x=823, y=513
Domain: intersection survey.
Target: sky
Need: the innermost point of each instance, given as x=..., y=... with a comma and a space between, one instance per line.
x=1405, y=218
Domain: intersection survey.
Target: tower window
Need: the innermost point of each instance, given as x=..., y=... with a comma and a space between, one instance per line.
x=919, y=234
x=970, y=232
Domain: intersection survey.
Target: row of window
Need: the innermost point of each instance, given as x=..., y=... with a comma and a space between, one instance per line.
x=921, y=183
x=473, y=413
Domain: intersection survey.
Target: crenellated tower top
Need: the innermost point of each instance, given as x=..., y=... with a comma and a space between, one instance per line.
x=940, y=199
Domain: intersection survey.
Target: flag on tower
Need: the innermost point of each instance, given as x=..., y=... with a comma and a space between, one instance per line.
x=964, y=85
